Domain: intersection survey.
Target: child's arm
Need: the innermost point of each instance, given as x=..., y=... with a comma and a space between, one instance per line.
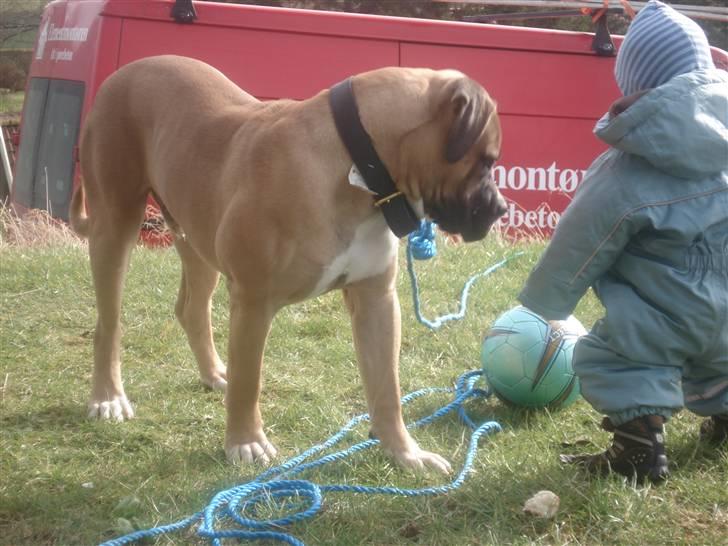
x=589, y=238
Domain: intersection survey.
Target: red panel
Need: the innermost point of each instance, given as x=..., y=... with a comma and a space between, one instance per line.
x=361, y=26
x=265, y=63
x=106, y=53
x=425, y=31
x=529, y=82
x=67, y=36
x=543, y=163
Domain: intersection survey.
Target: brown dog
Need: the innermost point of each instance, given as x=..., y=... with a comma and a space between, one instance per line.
x=259, y=192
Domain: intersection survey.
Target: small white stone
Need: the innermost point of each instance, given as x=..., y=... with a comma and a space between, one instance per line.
x=88, y=485
x=543, y=504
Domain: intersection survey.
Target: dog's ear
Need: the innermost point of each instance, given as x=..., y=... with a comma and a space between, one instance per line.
x=471, y=109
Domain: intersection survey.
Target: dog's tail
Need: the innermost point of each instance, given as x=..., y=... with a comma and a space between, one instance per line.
x=79, y=220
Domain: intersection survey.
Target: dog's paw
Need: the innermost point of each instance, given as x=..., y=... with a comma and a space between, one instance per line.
x=259, y=452
x=116, y=409
x=216, y=378
x=418, y=459
x=216, y=383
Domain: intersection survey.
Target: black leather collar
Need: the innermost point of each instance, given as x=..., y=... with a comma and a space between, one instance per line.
x=393, y=204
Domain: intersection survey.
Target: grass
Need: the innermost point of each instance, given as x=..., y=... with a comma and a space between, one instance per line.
x=11, y=104
x=67, y=481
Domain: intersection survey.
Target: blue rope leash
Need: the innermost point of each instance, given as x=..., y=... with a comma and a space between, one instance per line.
x=421, y=246
x=235, y=508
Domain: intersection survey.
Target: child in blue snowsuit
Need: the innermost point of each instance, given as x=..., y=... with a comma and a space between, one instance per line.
x=648, y=230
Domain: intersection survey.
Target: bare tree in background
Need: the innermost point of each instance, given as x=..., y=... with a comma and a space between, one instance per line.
x=19, y=18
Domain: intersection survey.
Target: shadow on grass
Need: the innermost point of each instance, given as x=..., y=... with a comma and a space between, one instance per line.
x=50, y=417
x=507, y=415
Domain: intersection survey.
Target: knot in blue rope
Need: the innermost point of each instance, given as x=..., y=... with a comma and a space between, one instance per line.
x=422, y=241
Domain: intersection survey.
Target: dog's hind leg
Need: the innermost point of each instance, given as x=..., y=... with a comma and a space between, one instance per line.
x=193, y=311
x=112, y=237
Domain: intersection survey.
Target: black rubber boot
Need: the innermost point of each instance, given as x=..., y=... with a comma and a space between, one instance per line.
x=715, y=430
x=637, y=451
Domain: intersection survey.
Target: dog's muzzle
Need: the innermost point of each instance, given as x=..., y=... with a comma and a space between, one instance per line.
x=471, y=216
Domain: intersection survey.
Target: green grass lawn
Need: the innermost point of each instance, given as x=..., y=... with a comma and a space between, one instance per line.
x=66, y=481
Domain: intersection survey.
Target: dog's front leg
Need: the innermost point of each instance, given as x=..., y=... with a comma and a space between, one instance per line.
x=375, y=318
x=245, y=440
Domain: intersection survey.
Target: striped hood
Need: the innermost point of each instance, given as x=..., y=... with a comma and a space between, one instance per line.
x=680, y=128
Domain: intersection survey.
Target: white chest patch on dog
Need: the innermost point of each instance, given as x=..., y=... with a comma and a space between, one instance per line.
x=371, y=251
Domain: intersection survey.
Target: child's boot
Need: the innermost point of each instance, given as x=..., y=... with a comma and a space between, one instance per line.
x=715, y=430
x=637, y=450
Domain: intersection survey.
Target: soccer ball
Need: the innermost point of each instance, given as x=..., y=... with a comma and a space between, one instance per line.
x=527, y=359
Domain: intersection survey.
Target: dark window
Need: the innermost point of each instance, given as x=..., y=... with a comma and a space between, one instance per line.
x=51, y=121
x=29, y=131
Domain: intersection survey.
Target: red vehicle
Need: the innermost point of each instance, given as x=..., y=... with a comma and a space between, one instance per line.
x=551, y=86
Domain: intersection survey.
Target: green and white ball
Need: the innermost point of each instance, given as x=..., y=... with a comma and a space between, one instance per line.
x=527, y=360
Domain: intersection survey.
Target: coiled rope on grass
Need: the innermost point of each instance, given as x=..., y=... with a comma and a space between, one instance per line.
x=230, y=512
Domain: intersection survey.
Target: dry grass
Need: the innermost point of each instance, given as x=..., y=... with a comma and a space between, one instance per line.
x=36, y=229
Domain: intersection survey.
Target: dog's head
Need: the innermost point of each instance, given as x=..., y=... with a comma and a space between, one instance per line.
x=447, y=160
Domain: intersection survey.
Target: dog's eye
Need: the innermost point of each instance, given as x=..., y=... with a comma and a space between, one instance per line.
x=482, y=167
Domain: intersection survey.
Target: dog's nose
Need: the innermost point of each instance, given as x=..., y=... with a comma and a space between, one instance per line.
x=501, y=205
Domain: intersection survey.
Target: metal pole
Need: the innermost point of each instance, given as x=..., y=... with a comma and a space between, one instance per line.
x=714, y=13
x=6, y=163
